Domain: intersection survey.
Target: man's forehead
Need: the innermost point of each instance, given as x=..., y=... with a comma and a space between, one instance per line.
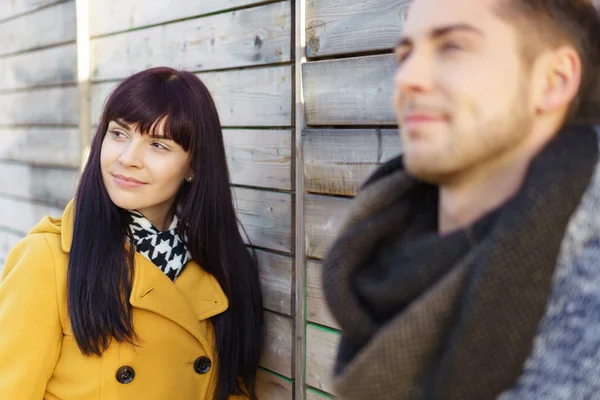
x=425, y=16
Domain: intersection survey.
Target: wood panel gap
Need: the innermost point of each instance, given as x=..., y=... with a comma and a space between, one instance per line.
x=33, y=201
x=267, y=370
x=341, y=56
x=261, y=188
x=33, y=11
x=324, y=328
x=224, y=11
x=7, y=229
x=32, y=49
x=38, y=87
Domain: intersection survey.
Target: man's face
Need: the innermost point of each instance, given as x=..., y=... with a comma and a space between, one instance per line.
x=461, y=91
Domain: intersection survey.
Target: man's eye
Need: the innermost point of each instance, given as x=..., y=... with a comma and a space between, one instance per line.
x=451, y=46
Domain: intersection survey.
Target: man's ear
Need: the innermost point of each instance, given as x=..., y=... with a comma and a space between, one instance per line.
x=561, y=71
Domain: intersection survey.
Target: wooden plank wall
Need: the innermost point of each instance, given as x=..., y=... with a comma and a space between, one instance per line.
x=351, y=129
x=242, y=51
x=39, y=150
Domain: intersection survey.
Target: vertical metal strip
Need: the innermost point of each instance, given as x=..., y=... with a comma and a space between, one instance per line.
x=83, y=76
x=300, y=255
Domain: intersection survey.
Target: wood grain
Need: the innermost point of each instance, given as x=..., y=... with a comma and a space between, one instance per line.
x=349, y=91
x=52, y=66
x=41, y=146
x=20, y=216
x=260, y=158
x=276, y=278
x=13, y=8
x=312, y=395
x=271, y=387
x=117, y=15
x=338, y=161
x=316, y=305
x=350, y=26
x=253, y=36
x=48, y=106
x=266, y=217
x=321, y=350
x=251, y=97
x=323, y=216
x=46, y=27
x=278, y=344
x=54, y=186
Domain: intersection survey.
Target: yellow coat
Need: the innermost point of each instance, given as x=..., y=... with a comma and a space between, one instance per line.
x=39, y=358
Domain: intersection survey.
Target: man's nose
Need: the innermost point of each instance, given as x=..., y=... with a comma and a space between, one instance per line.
x=415, y=73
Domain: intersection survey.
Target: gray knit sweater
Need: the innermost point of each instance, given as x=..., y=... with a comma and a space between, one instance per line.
x=565, y=361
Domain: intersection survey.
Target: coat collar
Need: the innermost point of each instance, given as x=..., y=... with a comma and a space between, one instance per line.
x=193, y=297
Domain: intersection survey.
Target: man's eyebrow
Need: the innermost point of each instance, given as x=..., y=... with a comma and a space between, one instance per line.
x=442, y=31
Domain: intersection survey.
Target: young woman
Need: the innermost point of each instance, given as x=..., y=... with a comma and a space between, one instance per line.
x=144, y=288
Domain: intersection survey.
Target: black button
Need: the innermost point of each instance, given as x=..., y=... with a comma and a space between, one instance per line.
x=125, y=374
x=202, y=365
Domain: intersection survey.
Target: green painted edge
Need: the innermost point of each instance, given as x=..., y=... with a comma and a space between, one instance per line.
x=285, y=378
x=324, y=328
x=319, y=392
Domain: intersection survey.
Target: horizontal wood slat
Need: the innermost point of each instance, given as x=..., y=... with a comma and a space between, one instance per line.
x=351, y=26
x=323, y=216
x=316, y=306
x=349, y=91
x=278, y=344
x=7, y=241
x=13, y=8
x=266, y=217
x=259, y=157
x=321, y=350
x=276, y=278
x=52, y=66
x=49, y=185
x=41, y=146
x=338, y=161
x=46, y=27
x=20, y=216
x=311, y=395
x=271, y=387
x=48, y=106
x=118, y=15
x=252, y=97
x=253, y=36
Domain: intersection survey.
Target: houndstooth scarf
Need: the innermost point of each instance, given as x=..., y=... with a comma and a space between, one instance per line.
x=451, y=317
x=165, y=249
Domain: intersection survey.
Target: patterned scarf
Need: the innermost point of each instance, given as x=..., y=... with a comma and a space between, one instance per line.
x=165, y=249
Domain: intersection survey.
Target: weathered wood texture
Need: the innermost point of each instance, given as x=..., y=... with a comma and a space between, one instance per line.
x=350, y=91
x=278, y=344
x=46, y=27
x=276, y=278
x=321, y=349
x=19, y=216
x=271, y=387
x=339, y=161
x=351, y=26
x=118, y=15
x=323, y=216
x=52, y=66
x=259, y=157
x=48, y=106
x=7, y=241
x=316, y=305
x=252, y=97
x=253, y=36
x=266, y=217
x=13, y=8
x=41, y=146
x=47, y=185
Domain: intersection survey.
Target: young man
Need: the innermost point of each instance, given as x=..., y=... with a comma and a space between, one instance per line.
x=469, y=268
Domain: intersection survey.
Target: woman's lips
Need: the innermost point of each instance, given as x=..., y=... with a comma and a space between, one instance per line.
x=127, y=182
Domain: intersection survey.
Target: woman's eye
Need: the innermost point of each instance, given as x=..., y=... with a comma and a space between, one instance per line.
x=159, y=146
x=117, y=134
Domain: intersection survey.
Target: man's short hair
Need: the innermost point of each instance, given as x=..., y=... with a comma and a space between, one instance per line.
x=547, y=24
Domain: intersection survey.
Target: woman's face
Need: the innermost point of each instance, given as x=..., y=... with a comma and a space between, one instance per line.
x=143, y=172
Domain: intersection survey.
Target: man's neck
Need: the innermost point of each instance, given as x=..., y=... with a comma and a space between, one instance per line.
x=482, y=189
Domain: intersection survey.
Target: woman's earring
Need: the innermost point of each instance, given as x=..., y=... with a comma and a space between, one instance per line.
x=189, y=178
